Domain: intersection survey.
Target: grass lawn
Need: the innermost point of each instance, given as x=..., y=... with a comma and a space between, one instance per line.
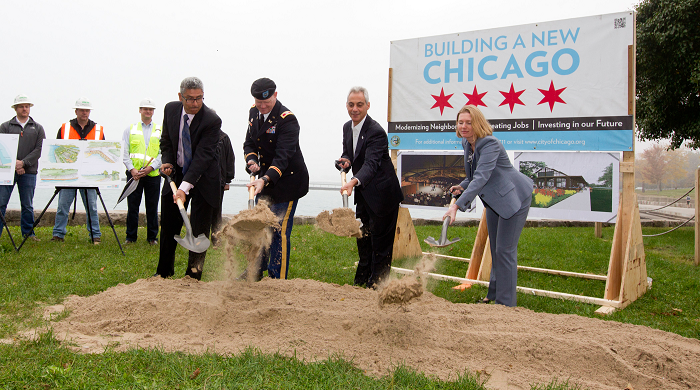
x=44, y=273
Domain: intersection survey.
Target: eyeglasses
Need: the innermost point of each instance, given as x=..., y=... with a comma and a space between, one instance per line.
x=194, y=100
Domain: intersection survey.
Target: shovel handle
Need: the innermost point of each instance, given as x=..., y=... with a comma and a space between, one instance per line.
x=251, y=189
x=179, y=201
x=343, y=181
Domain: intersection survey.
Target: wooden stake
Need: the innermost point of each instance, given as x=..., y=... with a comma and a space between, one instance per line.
x=406, y=242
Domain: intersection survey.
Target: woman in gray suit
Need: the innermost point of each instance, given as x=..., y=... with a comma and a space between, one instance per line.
x=505, y=192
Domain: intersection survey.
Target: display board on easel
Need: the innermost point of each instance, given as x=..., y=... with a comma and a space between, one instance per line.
x=564, y=85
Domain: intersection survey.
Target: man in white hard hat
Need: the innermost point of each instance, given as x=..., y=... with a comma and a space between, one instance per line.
x=141, y=156
x=83, y=129
x=31, y=137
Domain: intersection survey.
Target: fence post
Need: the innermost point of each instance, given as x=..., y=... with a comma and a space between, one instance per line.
x=599, y=229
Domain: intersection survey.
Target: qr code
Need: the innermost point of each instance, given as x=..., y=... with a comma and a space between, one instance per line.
x=620, y=22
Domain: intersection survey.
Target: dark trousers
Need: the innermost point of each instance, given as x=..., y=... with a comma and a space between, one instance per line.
x=216, y=216
x=149, y=186
x=504, y=235
x=171, y=225
x=376, y=245
x=275, y=259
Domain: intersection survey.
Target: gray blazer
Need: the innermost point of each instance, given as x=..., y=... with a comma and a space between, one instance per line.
x=491, y=176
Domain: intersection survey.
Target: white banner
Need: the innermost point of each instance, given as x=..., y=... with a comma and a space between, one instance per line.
x=75, y=163
x=560, y=85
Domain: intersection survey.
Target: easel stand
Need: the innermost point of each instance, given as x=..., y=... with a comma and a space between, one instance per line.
x=87, y=213
x=4, y=222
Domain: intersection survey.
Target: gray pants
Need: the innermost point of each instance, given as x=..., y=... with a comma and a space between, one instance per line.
x=504, y=235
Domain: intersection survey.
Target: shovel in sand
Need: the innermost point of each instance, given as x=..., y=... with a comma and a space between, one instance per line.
x=443, y=236
x=197, y=244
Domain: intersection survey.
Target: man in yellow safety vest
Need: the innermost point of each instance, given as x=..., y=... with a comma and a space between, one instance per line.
x=141, y=156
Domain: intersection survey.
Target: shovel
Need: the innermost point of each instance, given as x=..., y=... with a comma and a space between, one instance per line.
x=343, y=181
x=197, y=244
x=443, y=242
x=130, y=186
x=251, y=194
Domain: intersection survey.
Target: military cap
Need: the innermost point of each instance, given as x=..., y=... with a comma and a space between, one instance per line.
x=262, y=89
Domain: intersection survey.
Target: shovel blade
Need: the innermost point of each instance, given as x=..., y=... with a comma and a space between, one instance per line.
x=431, y=241
x=197, y=244
x=251, y=204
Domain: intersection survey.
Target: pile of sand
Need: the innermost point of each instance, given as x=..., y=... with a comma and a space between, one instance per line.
x=340, y=221
x=513, y=347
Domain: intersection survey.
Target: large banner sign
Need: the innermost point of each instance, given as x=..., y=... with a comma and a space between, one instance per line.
x=75, y=163
x=560, y=85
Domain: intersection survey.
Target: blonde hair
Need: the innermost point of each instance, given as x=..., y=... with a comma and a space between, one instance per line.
x=480, y=125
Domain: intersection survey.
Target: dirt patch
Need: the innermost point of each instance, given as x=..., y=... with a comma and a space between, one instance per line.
x=402, y=291
x=341, y=222
x=513, y=347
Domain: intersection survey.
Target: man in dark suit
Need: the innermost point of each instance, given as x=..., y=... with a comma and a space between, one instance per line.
x=377, y=189
x=272, y=152
x=188, y=146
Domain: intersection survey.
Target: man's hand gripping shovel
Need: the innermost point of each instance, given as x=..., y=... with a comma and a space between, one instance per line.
x=197, y=244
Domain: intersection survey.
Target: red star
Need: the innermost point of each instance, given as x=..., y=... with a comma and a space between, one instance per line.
x=475, y=98
x=551, y=96
x=442, y=101
x=512, y=98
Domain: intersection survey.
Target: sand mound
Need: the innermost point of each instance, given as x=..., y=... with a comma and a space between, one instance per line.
x=341, y=222
x=513, y=347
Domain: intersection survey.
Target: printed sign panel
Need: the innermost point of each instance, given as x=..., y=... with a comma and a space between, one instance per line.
x=75, y=163
x=560, y=85
x=427, y=176
x=8, y=158
x=572, y=186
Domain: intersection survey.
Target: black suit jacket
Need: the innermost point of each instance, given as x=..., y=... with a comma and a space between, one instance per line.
x=204, y=172
x=274, y=146
x=371, y=165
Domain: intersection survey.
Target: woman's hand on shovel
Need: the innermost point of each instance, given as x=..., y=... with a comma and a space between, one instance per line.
x=452, y=213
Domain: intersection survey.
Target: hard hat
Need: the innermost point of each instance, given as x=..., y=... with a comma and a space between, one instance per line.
x=147, y=103
x=83, y=103
x=22, y=99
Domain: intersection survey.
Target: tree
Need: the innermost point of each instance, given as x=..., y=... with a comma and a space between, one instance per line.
x=530, y=168
x=653, y=164
x=668, y=71
x=606, y=180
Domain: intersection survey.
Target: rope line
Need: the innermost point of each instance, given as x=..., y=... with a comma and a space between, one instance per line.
x=691, y=190
x=669, y=231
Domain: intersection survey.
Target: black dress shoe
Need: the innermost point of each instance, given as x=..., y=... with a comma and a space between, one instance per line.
x=483, y=300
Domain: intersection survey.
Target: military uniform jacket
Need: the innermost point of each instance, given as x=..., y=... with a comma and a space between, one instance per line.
x=274, y=146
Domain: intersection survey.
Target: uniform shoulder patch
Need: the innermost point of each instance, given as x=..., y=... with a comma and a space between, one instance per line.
x=284, y=114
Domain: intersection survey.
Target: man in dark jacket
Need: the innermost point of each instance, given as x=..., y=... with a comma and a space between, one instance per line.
x=227, y=164
x=377, y=189
x=272, y=152
x=31, y=137
x=188, y=147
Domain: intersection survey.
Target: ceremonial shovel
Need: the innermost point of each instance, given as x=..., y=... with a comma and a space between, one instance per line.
x=443, y=236
x=343, y=181
x=130, y=186
x=197, y=244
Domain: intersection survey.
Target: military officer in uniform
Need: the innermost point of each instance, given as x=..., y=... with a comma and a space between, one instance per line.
x=272, y=153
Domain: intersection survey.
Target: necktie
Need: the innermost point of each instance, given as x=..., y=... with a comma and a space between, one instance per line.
x=186, y=145
x=261, y=121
